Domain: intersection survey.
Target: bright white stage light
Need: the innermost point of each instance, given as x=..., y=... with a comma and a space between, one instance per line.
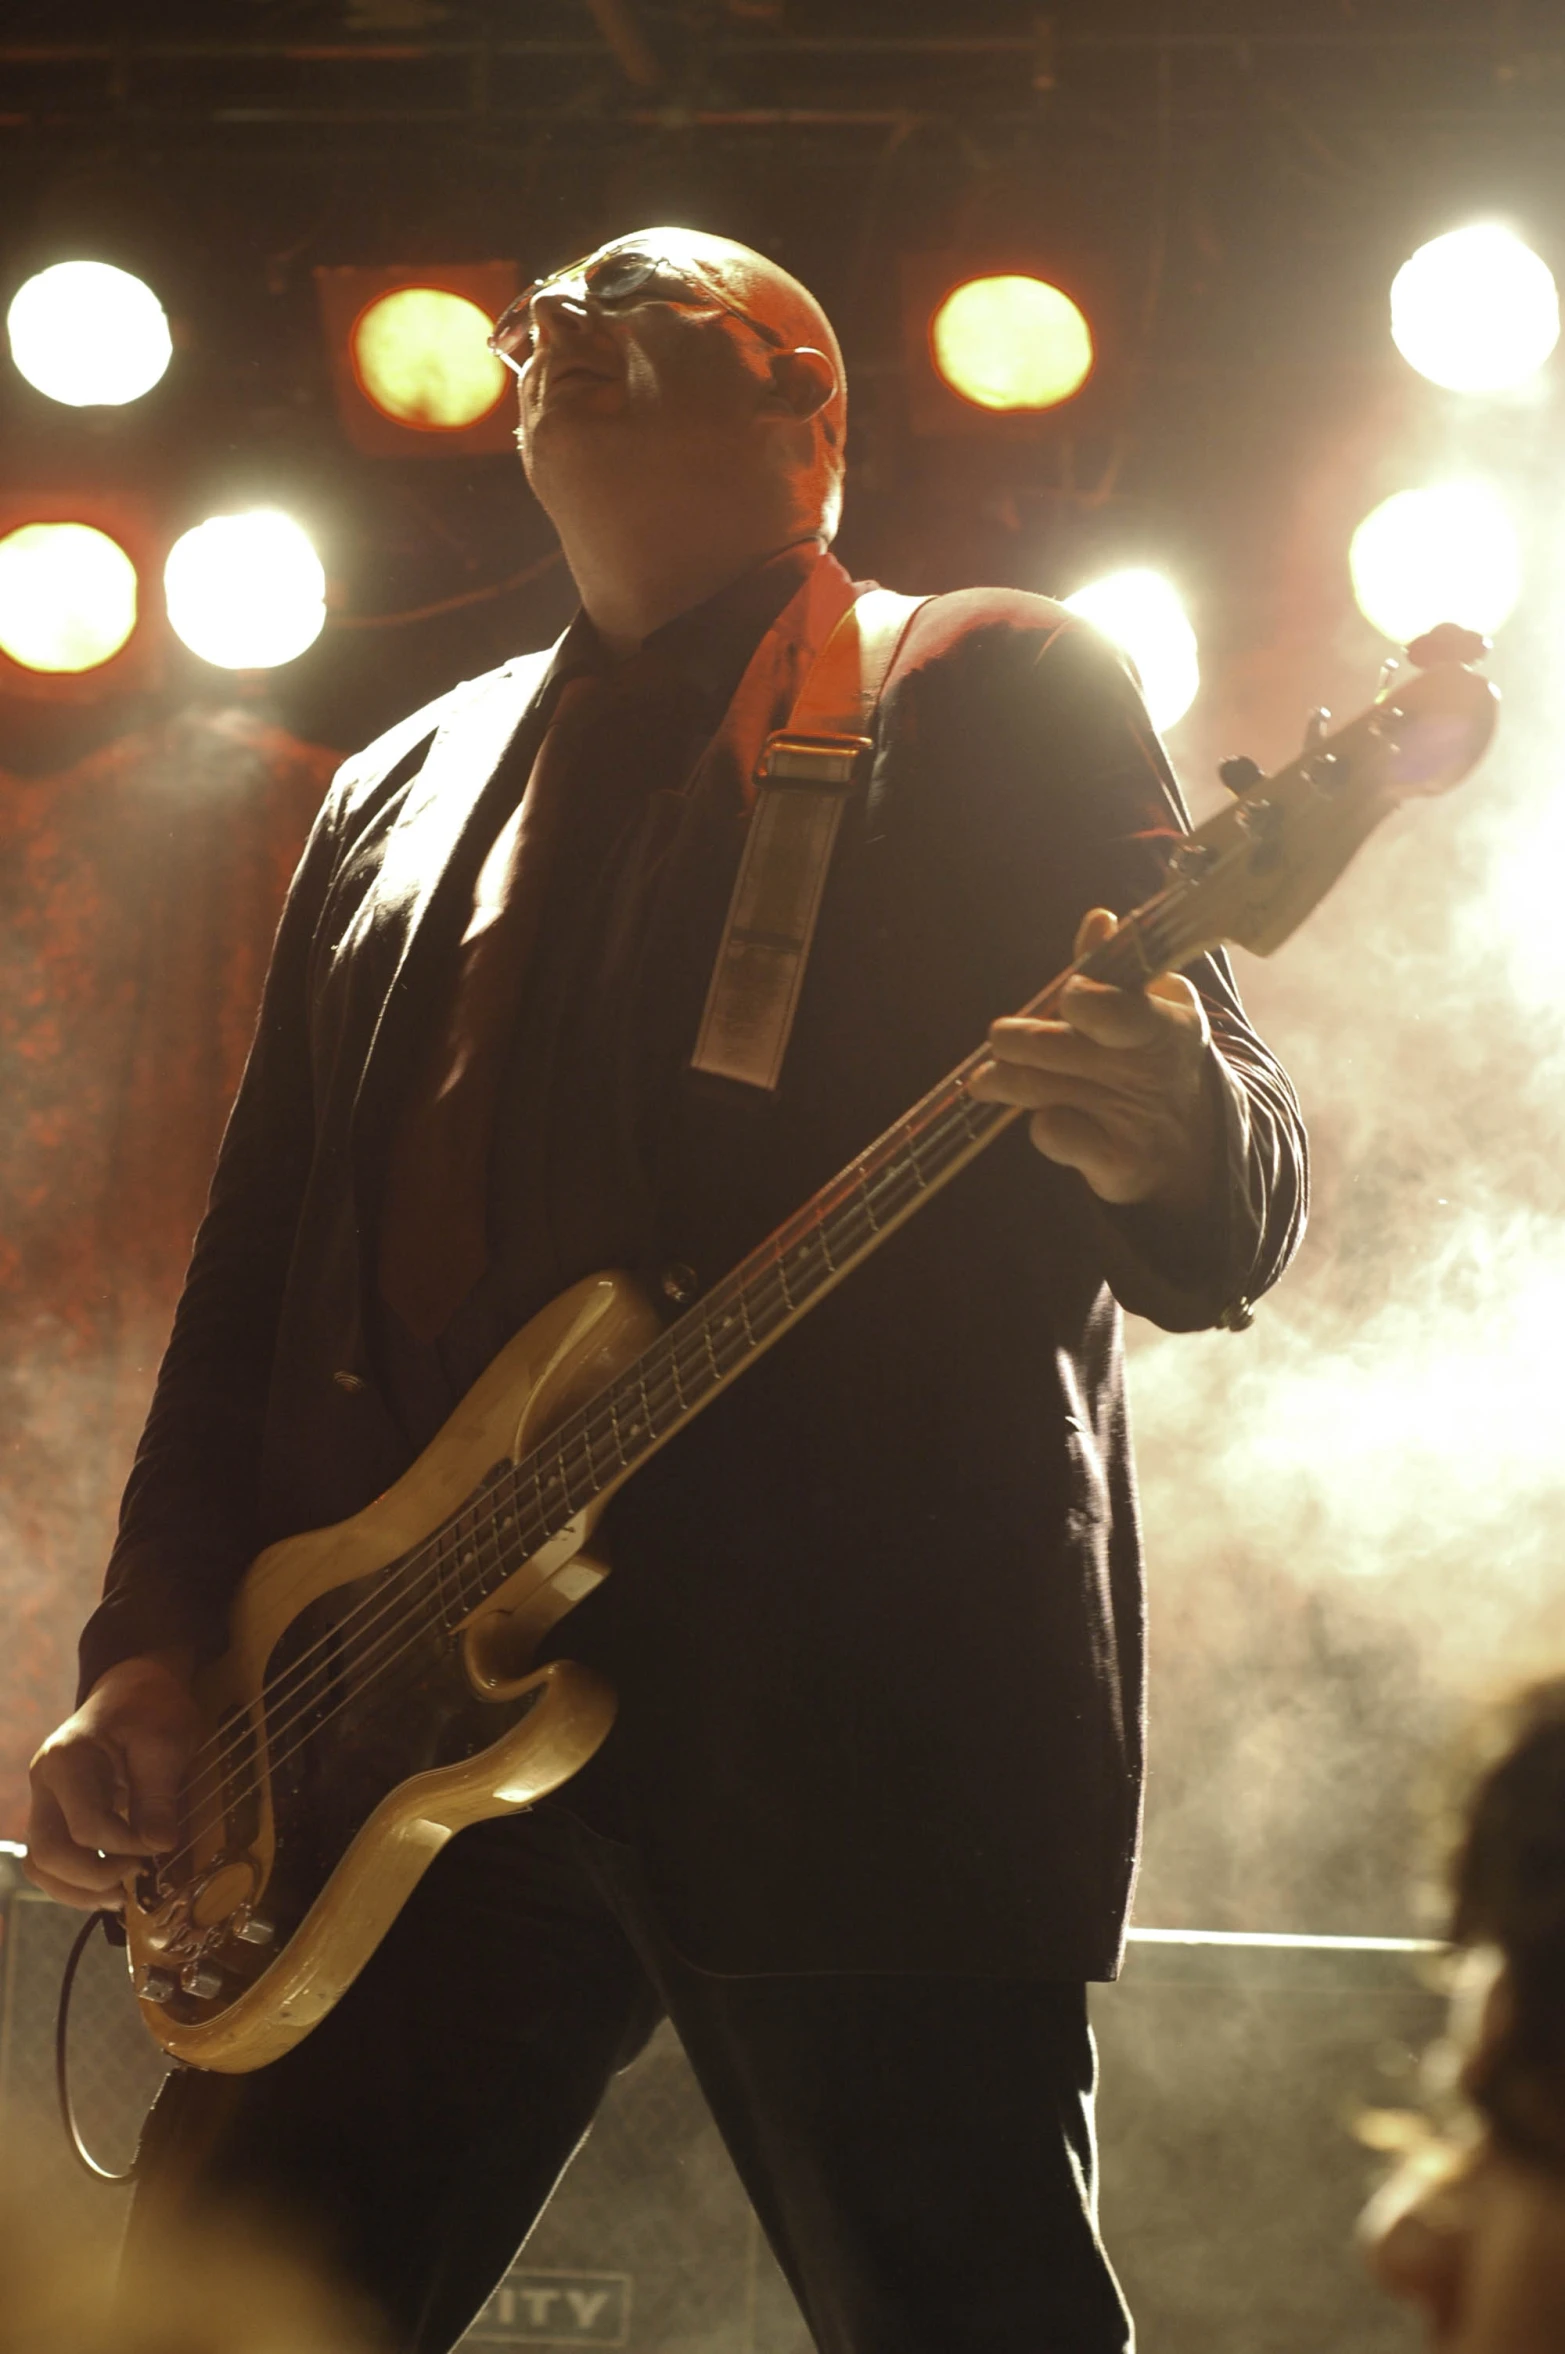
x=89, y=335
x=1476, y=310
x=67, y=596
x=1142, y=613
x=1445, y=554
x=246, y=592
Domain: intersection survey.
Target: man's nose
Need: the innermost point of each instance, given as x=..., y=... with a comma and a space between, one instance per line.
x=561, y=309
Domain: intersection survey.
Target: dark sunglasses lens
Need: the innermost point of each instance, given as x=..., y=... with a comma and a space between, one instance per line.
x=621, y=277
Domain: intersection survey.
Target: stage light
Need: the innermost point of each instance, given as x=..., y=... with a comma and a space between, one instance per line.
x=1476, y=310
x=67, y=597
x=421, y=355
x=1010, y=342
x=89, y=335
x=246, y=592
x=1142, y=613
x=1449, y=553
x=410, y=362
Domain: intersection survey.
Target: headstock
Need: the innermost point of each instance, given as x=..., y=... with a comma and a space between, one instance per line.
x=1252, y=872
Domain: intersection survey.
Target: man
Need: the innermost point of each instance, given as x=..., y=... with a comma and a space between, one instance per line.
x=868, y=1817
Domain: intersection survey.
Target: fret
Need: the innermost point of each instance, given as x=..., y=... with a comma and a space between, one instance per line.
x=540, y=1506
x=706, y=1334
x=585, y=1436
x=744, y=1310
x=768, y=1297
x=728, y=1329
x=479, y=1563
x=573, y=1434
x=801, y=1262
x=559, y=1479
x=670, y=1405
x=890, y=1188
x=592, y=1431
x=780, y=1272
x=615, y=1431
x=631, y=1430
x=854, y=1223
x=508, y=1529
x=825, y=1241
x=679, y=1387
x=868, y=1203
x=695, y=1370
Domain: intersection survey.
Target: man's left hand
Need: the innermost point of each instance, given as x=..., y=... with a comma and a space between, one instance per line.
x=1118, y=1087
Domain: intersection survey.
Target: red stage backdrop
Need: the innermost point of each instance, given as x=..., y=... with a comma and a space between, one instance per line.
x=138, y=896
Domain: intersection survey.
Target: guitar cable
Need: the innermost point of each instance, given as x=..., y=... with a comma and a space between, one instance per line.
x=114, y=1934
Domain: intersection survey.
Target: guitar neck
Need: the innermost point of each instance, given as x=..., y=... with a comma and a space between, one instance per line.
x=522, y=1505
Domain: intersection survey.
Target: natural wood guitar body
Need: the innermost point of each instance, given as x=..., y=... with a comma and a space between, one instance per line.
x=295, y=1871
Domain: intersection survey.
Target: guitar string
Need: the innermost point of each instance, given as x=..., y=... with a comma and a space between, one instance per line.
x=1139, y=933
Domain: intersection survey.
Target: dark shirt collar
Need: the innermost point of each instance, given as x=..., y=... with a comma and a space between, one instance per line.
x=712, y=642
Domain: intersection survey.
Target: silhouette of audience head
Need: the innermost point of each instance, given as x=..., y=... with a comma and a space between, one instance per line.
x=1471, y=2231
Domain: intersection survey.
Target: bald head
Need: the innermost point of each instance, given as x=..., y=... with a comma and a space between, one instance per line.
x=762, y=290
x=682, y=416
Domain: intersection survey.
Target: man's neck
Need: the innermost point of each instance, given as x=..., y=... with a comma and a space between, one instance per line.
x=633, y=594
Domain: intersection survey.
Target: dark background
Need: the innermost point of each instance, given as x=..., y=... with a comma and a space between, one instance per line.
x=1230, y=187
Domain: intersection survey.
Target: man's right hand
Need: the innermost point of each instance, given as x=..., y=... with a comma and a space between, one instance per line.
x=106, y=1784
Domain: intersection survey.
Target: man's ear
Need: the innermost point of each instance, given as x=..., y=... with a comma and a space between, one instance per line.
x=803, y=381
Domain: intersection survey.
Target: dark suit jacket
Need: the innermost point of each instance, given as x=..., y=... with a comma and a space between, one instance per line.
x=876, y=1618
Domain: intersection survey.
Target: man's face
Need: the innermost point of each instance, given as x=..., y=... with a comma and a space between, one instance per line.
x=662, y=378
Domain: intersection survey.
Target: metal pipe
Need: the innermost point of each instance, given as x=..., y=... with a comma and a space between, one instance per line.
x=871, y=45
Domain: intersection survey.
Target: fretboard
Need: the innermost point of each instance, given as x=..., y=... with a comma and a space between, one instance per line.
x=520, y=1506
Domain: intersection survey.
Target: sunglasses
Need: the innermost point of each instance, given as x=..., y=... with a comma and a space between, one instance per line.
x=616, y=283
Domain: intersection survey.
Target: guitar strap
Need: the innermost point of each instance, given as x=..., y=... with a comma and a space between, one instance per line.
x=806, y=774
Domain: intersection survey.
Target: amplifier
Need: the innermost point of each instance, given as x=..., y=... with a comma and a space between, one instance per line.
x=1232, y=2068
x=115, y=2067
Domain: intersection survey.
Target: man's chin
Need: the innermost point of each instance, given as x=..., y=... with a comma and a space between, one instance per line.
x=580, y=396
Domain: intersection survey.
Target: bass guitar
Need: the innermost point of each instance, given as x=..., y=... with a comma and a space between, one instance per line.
x=378, y=1691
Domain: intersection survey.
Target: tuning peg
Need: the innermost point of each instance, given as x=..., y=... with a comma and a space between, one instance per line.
x=1315, y=727
x=1447, y=642
x=1240, y=773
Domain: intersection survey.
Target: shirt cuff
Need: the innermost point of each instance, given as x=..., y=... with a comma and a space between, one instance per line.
x=1186, y=1270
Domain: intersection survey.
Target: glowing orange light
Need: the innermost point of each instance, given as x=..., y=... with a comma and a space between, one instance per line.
x=420, y=353
x=1011, y=343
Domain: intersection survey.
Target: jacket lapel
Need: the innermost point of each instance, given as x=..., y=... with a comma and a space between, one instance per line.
x=444, y=798
x=442, y=829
